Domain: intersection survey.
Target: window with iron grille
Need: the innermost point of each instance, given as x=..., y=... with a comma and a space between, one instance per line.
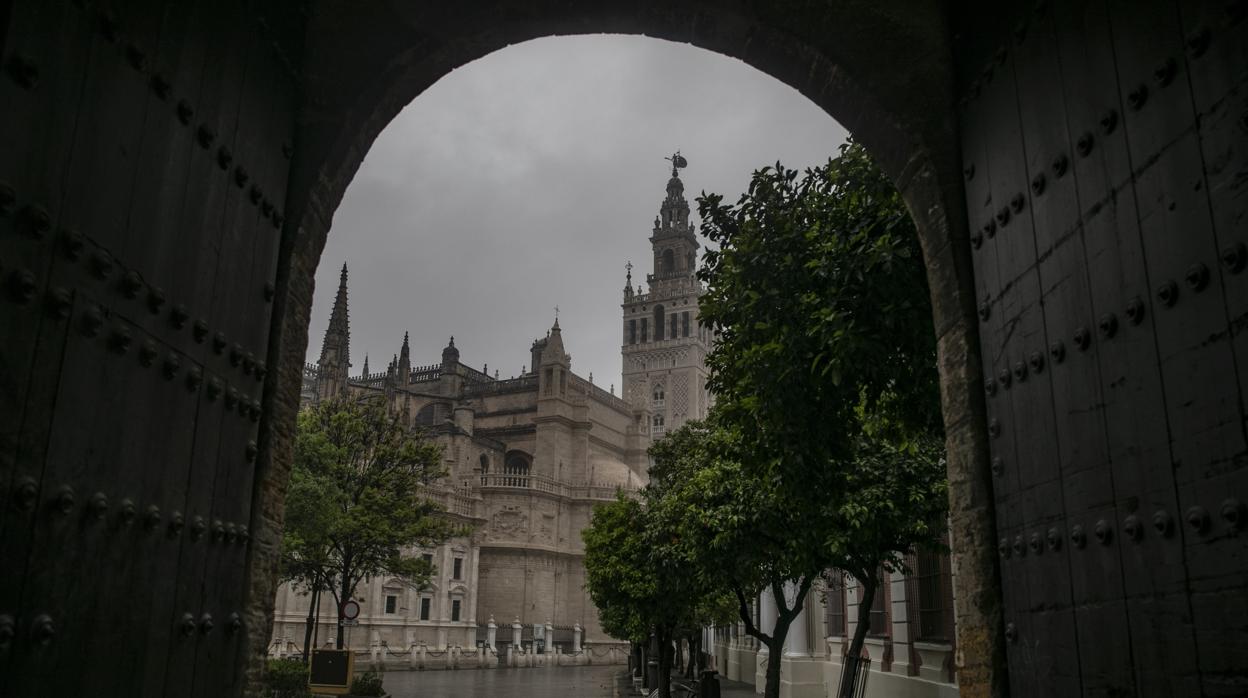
x=879, y=626
x=834, y=606
x=424, y=608
x=455, y=604
x=935, y=590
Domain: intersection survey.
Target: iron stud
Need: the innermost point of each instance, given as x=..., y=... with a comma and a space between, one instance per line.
x=23, y=71
x=101, y=264
x=33, y=222
x=1059, y=165
x=1018, y=202
x=1137, y=97
x=25, y=493
x=1020, y=371
x=1198, y=42
x=73, y=243
x=1163, y=524
x=1164, y=73
x=172, y=365
x=1109, y=121
x=1233, y=514
x=98, y=506
x=8, y=629
x=187, y=625
x=1083, y=338
x=42, y=630
x=205, y=135
x=1084, y=144
x=1234, y=257
x=1011, y=632
x=131, y=284
x=1036, y=361
x=152, y=518
x=1057, y=350
x=199, y=331
x=1197, y=277
x=194, y=377
x=59, y=302
x=1003, y=216
x=127, y=512
x=224, y=157
x=1103, y=532
x=205, y=623
x=1198, y=519
x=147, y=353
x=1135, y=310
x=120, y=339
x=155, y=299
x=92, y=321
x=22, y=286
x=1037, y=184
x=185, y=112
x=1168, y=293
x=1132, y=528
x=178, y=316
x=1108, y=325
x=1054, y=539
x=218, y=343
x=1005, y=378
x=998, y=465
x=1077, y=536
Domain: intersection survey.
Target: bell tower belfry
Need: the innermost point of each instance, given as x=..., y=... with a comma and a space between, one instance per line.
x=664, y=349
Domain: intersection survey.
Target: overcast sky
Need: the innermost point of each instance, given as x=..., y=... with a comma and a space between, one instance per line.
x=528, y=178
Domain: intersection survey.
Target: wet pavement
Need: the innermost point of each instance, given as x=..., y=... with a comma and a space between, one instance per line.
x=554, y=682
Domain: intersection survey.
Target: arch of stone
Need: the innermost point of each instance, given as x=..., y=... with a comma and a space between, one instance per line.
x=169, y=171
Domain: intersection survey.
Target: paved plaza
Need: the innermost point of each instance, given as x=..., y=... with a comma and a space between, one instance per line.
x=562, y=682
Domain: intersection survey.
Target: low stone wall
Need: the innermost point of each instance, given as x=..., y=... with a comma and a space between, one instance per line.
x=423, y=658
x=818, y=676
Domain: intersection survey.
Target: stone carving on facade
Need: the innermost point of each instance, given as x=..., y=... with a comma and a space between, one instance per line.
x=508, y=522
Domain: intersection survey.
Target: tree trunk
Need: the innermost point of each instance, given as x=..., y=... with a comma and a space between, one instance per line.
x=307, y=631
x=666, y=655
x=342, y=599
x=775, y=654
x=860, y=635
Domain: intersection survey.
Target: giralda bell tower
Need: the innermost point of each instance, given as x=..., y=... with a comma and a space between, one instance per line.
x=664, y=349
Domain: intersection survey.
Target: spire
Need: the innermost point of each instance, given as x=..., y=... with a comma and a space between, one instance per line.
x=366, y=365
x=628, y=281
x=405, y=362
x=336, y=346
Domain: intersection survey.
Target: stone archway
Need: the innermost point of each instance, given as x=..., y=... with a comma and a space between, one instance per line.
x=169, y=171
x=905, y=118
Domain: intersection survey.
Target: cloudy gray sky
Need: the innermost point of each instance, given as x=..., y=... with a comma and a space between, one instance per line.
x=527, y=179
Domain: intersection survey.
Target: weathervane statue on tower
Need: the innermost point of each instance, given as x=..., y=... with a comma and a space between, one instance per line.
x=678, y=161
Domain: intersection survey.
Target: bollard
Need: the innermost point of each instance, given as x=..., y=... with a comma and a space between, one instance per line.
x=708, y=687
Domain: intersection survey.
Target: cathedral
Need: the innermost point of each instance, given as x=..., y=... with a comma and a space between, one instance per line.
x=527, y=459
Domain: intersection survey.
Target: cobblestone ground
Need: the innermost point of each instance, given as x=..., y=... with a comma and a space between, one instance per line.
x=560, y=682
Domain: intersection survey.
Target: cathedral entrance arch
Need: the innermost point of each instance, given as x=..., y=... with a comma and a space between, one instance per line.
x=1073, y=170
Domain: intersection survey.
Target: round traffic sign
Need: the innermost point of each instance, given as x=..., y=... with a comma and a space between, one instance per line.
x=350, y=610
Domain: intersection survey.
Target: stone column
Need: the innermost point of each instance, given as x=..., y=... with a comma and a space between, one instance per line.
x=515, y=634
x=576, y=637
x=491, y=635
x=550, y=636
x=796, y=643
x=766, y=623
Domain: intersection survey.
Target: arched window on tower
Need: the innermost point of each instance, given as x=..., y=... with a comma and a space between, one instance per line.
x=669, y=261
x=657, y=395
x=485, y=464
x=656, y=426
x=659, y=325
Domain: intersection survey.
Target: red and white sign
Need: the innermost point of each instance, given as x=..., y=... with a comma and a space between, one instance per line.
x=350, y=610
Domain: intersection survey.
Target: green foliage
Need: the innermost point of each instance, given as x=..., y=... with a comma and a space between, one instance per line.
x=639, y=584
x=819, y=294
x=826, y=446
x=286, y=678
x=357, y=500
x=368, y=684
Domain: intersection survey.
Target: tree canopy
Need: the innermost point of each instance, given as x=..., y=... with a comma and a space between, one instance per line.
x=825, y=381
x=358, y=500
